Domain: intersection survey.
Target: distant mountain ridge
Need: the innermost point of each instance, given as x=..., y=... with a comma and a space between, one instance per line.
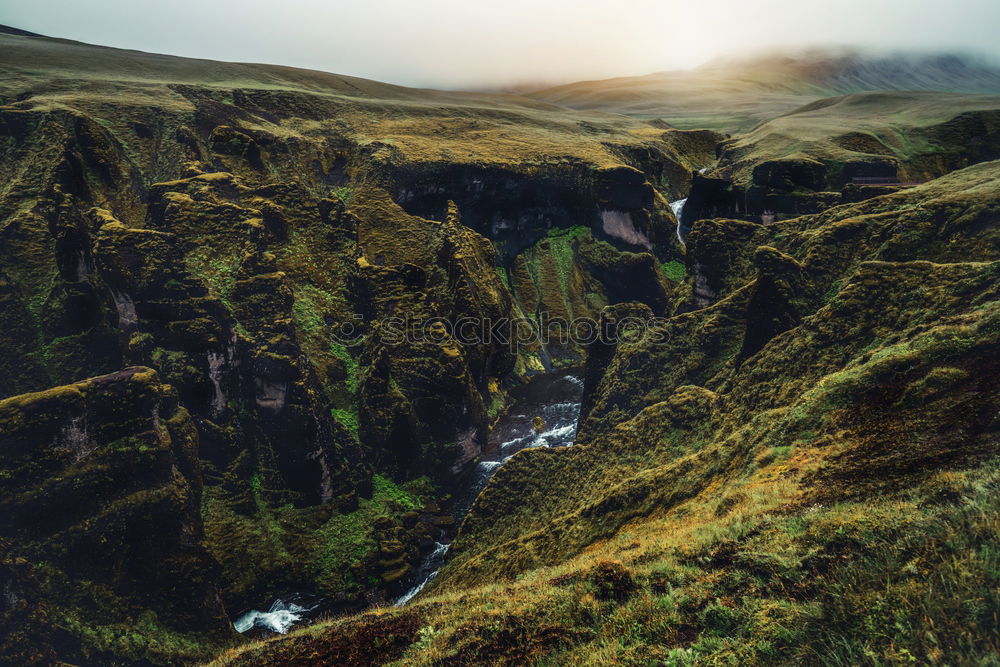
x=850, y=71
x=736, y=94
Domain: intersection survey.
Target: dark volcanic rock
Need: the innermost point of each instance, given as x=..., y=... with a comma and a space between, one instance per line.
x=776, y=299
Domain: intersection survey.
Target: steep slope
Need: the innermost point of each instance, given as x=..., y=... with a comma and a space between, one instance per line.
x=107, y=471
x=736, y=94
x=801, y=470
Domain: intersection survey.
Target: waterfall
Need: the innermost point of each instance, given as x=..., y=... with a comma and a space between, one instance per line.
x=678, y=208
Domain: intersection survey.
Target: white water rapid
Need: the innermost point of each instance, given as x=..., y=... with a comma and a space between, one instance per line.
x=279, y=618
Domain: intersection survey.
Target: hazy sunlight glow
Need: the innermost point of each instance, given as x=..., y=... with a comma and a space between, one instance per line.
x=461, y=44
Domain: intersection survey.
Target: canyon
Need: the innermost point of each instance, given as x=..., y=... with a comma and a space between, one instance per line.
x=214, y=448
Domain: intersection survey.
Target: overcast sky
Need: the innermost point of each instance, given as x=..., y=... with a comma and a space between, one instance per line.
x=494, y=43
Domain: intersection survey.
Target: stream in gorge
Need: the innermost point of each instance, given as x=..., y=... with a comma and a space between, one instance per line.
x=554, y=397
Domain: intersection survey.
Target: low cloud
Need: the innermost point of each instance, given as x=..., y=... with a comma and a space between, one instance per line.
x=461, y=44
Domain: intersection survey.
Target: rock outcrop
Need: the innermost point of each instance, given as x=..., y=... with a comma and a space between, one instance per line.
x=100, y=492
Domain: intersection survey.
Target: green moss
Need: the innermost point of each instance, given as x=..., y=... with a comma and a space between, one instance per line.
x=569, y=233
x=348, y=419
x=351, y=365
x=674, y=270
x=218, y=266
x=307, y=315
x=383, y=488
x=496, y=405
x=342, y=544
x=504, y=278
x=561, y=242
x=344, y=193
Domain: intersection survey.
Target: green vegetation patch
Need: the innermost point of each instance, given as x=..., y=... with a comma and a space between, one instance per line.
x=347, y=418
x=350, y=363
x=344, y=193
x=674, y=270
x=384, y=488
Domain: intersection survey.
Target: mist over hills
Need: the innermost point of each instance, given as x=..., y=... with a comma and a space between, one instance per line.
x=847, y=70
x=734, y=94
x=728, y=93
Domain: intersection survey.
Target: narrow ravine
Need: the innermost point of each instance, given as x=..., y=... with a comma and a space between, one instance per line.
x=544, y=413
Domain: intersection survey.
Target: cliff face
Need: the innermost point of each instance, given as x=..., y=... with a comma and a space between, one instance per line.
x=102, y=552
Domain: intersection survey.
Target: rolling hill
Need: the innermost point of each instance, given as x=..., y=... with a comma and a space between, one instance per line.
x=734, y=95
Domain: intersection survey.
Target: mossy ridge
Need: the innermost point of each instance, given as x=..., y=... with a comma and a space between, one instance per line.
x=938, y=322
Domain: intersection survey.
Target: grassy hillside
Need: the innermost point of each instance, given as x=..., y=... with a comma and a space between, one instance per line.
x=908, y=129
x=423, y=125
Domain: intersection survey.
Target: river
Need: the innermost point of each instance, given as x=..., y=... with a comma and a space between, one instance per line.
x=555, y=398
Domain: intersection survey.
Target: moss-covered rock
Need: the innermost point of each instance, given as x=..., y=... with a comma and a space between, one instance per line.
x=101, y=525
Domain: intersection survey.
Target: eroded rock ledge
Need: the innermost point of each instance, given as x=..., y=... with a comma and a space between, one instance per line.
x=100, y=527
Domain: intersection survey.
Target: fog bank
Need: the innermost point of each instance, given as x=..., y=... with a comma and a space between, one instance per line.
x=461, y=44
